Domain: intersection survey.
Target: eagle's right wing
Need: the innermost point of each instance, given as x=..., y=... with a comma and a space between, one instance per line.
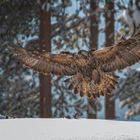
x=119, y=56
x=46, y=63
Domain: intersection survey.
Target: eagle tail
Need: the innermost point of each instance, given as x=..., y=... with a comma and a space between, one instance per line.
x=107, y=84
x=88, y=87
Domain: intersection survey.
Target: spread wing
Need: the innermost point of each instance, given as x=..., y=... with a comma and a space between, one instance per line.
x=119, y=56
x=46, y=63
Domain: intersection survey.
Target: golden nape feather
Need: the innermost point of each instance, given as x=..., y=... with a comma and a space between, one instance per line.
x=90, y=71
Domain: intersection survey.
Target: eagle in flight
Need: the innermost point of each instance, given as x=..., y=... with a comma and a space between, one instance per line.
x=91, y=72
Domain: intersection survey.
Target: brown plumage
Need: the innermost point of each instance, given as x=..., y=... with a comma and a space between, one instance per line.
x=90, y=71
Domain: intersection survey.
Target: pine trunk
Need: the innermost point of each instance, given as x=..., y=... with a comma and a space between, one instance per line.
x=93, y=45
x=109, y=34
x=45, y=81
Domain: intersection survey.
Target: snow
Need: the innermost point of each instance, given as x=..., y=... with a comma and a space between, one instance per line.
x=64, y=129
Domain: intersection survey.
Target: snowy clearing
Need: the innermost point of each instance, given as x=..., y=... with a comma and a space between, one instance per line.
x=63, y=129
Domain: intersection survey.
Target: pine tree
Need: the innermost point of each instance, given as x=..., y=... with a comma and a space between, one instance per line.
x=109, y=33
x=45, y=81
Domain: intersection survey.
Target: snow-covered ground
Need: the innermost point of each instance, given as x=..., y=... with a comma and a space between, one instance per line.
x=63, y=129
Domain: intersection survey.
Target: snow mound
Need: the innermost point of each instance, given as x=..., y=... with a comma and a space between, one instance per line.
x=64, y=129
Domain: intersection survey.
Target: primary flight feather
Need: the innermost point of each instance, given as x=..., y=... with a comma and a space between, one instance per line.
x=90, y=71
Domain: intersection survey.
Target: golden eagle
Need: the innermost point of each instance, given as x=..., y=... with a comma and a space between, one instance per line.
x=90, y=71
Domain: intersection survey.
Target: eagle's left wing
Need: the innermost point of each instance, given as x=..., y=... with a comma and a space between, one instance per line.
x=46, y=63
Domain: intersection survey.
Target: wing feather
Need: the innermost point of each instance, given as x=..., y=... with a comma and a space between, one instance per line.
x=119, y=56
x=48, y=63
